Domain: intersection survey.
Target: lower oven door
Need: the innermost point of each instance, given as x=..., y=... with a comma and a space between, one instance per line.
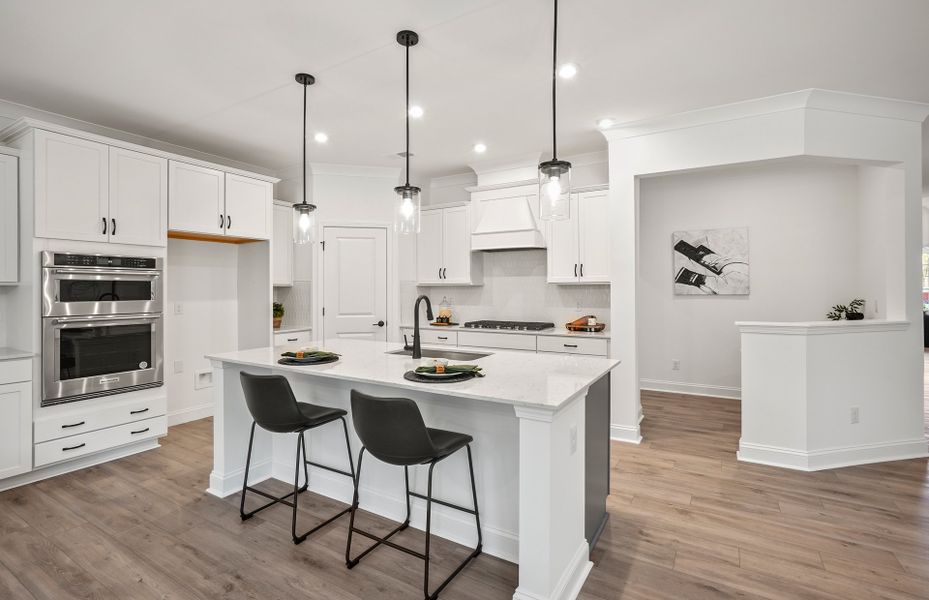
x=84, y=357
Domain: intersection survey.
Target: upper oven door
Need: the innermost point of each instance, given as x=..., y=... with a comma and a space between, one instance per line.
x=69, y=291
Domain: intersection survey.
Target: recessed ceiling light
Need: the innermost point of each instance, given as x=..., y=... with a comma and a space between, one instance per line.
x=416, y=111
x=605, y=123
x=567, y=71
x=321, y=137
x=480, y=148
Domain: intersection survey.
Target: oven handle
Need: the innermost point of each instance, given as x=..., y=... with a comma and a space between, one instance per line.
x=132, y=272
x=104, y=320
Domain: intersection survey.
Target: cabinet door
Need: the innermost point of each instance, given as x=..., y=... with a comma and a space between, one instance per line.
x=138, y=198
x=563, y=259
x=282, y=247
x=15, y=429
x=9, y=219
x=71, y=188
x=429, y=247
x=456, y=244
x=594, y=236
x=248, y=207
x=196, y=198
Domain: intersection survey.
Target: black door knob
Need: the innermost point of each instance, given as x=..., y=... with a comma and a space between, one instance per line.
x=379, y=323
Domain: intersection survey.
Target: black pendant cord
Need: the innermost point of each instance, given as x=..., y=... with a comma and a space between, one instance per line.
x=554, y=85
x=407, y=116
x=304, y=143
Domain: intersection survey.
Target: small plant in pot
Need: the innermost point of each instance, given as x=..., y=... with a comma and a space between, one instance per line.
x=277, y=314
x=852, y=312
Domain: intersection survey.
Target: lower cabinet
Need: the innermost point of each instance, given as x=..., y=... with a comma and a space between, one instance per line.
x=15, y=417
x=73, y=446
x=429, y=336
x=292, y=338
x=566, y=344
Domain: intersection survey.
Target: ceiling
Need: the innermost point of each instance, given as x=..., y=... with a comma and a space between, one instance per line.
x=218, y=76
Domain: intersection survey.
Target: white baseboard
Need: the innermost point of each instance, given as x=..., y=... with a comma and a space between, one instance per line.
x=832, y=458
x=222, y=486
x=447, y=523
x=77, y=463
x=692, y=389
x=190, y=413
x=571, y=581
x=626, y=433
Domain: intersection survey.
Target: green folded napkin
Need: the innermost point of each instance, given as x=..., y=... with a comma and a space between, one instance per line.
x=319, y=354
x=473, y=369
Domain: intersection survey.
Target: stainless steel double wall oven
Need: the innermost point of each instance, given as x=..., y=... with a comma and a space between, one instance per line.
x=102, y=329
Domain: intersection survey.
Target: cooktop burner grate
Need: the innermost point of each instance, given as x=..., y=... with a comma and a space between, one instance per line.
x=515, y=325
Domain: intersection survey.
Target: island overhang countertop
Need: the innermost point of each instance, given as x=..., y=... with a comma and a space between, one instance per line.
x=545, y=380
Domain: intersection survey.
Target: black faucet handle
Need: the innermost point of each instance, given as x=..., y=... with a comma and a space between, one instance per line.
x=406, y=343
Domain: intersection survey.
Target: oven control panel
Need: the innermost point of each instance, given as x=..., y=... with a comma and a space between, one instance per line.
x=96, y=260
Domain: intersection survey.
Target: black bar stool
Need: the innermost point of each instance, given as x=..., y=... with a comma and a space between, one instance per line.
x=393, y=431
x=274, y=408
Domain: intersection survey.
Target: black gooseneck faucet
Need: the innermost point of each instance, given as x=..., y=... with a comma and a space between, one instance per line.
x=417, y=349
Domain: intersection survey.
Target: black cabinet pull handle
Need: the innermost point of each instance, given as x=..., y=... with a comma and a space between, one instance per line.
x=575, y=269
x=138, y=412
x=582, y=269
x=104, y=225
x=444, y=272
x=292, y=339
x=73, y=447
x=222, y=220
x=113, y=231
x=139, y=431
x=73, y=425
x=442, y=338
x=570, y=345
x=228, y=222
x=440, y=272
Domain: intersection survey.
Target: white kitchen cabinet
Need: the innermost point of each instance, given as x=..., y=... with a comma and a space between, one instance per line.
x=9, y=218
x=431, y=337
x=282, y=245
x=138, y=198
x=71, y=188
x=443, y=248
x=579, y=247
x=196, y=199
x=293, y=339
x=16, y=424
x=248, y=207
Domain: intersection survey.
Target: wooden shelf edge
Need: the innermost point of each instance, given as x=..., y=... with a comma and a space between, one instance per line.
x=208, y=237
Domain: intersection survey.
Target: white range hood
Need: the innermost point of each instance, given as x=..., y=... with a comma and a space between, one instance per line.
x=505, y=206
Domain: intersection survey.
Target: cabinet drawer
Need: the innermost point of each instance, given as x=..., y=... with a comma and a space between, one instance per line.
x=294, y=338
x=506, y=341
x=433, y=337
x=14, y=371
x=573, y=345
x=93, y=418
x=74, y=446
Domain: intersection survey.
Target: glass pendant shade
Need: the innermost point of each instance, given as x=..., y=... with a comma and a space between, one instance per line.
x=408, y=208
x=304, y=223
x=555, y=190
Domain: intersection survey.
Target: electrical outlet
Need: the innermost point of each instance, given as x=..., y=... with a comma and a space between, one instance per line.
x=675, y=364
x=178, y=308
x=855, y=417
x=573, y=439
x=178, y=366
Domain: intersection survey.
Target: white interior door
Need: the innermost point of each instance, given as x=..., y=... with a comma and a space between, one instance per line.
x=355, y=282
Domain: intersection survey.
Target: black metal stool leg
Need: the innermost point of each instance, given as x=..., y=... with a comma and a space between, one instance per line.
x=301, y=446
x=248, y=461
x=477, y=513
x=349, y=562
x=428, y=531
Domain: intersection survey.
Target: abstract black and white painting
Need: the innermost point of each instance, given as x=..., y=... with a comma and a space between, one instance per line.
x=711, y=262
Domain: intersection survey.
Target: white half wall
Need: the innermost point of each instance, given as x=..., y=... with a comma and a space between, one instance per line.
x=802, y=218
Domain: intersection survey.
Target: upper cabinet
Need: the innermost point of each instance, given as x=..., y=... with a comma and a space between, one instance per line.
x=443, y=248
x=9, y=218
x=215, y=203
x=282, y=245
x=138, y=198
x=579, y=247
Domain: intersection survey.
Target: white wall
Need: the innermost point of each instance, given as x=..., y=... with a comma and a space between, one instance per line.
x=202, y=278
x=803, y=226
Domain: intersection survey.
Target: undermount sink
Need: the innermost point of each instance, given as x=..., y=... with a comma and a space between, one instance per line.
x=449, y=354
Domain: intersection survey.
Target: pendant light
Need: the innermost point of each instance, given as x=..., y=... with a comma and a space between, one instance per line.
x=554, y=174
x=406, y=220
x=304, y=214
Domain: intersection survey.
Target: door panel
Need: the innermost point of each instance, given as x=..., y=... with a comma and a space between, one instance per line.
x=248, y=207
x=429, y=247
x=456, y=227
x=196, y=199
x=355, y=282
x=563, y=261
x=594, y=231
x=138, y=198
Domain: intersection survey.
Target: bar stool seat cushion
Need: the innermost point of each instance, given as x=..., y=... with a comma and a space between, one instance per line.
x=448, y=442
x=319, y=415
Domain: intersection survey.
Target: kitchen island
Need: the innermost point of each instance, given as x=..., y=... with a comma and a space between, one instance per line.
x=540, y=424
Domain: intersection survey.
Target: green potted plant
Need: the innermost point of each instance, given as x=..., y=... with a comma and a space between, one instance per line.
x=852, y=312
x=277, y=314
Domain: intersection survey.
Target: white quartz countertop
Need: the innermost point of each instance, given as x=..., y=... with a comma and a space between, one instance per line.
x=557, y=331
x=13, y=354
x=515, y=378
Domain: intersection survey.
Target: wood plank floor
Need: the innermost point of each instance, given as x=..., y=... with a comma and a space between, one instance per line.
x=687, y=522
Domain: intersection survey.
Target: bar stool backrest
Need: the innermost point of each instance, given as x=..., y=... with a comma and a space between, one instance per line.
x=392, y=429
x=272, y=403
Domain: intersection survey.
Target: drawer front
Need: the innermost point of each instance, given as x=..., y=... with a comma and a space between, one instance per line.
x=74, y=446
x=98, y=417
x=433, y=337
x=506, y=341
x=573, y=345
x=15, y=371
x=294, y=338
